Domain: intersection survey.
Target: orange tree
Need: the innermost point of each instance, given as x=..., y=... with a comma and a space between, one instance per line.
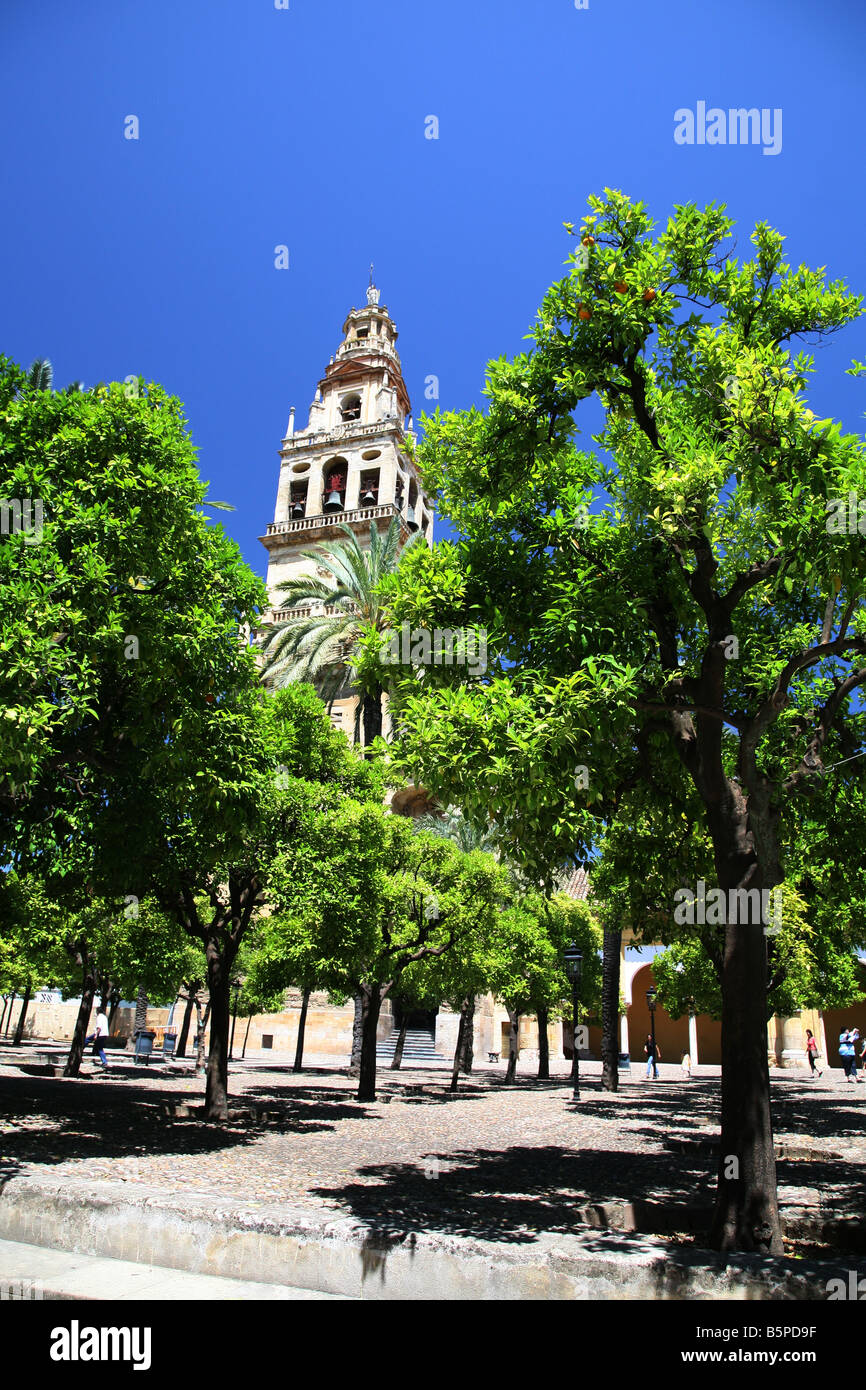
x=683, y=596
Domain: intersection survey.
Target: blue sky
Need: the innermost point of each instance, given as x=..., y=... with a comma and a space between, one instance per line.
x=306, y=127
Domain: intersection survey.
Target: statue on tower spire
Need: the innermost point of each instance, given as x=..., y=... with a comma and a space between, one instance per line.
x=372, y=292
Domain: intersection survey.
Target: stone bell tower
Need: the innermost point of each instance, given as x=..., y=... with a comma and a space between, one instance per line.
x=349, y=466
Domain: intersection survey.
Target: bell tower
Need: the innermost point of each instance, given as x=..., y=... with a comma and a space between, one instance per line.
x=349, y=466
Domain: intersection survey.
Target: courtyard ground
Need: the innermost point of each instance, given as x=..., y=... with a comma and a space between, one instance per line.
x=495, y=1163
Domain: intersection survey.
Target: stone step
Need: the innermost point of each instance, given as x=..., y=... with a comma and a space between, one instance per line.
x=310, y=1252
x=34, y=1272
x=418, y=1046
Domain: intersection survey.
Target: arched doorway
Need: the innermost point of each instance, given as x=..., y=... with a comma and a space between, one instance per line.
x=416, y=1020
x=854, y=1016
x=672, y=1034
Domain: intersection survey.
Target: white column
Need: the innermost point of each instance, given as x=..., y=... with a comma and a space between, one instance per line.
x=623, y=1034
x=314, y=490
x=353, y=481
x=693, y=1039
x=387, y=476
x=281, y=511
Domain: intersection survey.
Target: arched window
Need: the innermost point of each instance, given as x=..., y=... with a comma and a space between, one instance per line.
x=350, y=409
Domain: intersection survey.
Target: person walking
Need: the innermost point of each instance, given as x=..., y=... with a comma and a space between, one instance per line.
x=847, y=1051
x=99, y=1033
x=653, y=1055
x=812, y=1053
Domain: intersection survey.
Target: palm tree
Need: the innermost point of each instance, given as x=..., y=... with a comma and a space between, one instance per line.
x=41, y=375
x=450, y=825
x=341, y=603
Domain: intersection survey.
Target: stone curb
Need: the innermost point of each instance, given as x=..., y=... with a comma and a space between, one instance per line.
x=272, y=1243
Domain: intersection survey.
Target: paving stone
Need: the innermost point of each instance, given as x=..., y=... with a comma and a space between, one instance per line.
x=493, y=1162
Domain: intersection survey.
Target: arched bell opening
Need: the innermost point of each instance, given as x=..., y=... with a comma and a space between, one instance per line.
x=412, y=512
x=335, y=486
x=369, y=490
x=298, y=505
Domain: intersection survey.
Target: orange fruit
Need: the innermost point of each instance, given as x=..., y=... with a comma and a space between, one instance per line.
x=620, y=286
x=649, y=296
x=583, y=312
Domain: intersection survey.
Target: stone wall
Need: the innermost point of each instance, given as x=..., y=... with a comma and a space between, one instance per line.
x=329, y=1031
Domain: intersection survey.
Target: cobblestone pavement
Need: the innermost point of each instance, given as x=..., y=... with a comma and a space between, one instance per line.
x=493, y=1161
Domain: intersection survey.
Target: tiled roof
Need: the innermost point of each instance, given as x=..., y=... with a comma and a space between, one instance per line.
x=577, y=884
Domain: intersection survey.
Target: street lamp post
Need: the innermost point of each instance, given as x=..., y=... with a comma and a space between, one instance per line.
x=573, y=958
x=236, y=986
x=651, y=1005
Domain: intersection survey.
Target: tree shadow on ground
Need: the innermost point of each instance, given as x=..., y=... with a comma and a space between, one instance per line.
x=288, y=1103
x=829, y=1119
x=98, y=1120
x=244, y=1068
x=793, y=1112
x=404, y=1092
x=510, y=1196
x=427, y=1095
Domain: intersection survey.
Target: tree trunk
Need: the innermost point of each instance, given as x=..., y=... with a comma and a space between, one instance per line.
x=302, y=1028
x=371, y=997
x=543, y=1018
x=11, y=1007
x=202, y=1029
x=610, y=1010
x=114, y=999
x=357, y=1036
x=216, y=1103
x=88, y=990
x=372, y=717
x=183, y=1039
x=746, y=1215
x=469, y=1039
x=514, y=1021
x=467, y=1014
x=19, y=1031
x=246, y=1035
x=3, y=1011
x=401, y=1040
x=140, y=1011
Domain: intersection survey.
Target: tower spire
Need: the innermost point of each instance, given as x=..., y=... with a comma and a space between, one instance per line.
x=372, y=292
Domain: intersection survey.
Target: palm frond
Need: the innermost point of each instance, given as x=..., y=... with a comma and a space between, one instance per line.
x=319, y=646
x=451, y=825
x=41, y=374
